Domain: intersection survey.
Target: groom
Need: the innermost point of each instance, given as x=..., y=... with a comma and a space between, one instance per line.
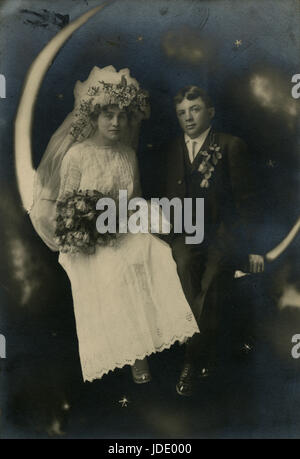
x=203, y=163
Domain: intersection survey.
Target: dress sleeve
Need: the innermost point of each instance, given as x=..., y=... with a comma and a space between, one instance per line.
x=70, y=172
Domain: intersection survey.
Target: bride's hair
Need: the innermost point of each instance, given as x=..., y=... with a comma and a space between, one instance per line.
x=98, y=109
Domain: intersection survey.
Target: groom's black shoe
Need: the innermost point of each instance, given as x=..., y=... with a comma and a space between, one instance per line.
x=205, y=372
x=186, y=384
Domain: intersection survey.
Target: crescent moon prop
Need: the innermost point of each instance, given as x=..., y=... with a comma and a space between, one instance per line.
x=280, y=248
x=23, y=122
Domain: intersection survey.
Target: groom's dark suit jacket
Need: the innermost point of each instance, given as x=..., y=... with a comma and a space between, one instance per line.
x=229, y=199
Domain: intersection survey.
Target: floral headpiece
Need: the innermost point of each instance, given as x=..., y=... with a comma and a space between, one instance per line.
x=106, y=87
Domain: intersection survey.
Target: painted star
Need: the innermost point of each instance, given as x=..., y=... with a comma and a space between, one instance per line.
x=238, y=43
x=66, y=406
x=124, y=401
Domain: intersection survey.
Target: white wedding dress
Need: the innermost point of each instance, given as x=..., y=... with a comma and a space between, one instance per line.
x=128, y=300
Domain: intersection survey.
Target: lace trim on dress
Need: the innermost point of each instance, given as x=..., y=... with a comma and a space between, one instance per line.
x=130, y=361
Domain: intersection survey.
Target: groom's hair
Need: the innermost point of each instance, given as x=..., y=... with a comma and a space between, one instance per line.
x=193, y=92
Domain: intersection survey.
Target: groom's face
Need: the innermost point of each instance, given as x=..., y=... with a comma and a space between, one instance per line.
x=194, y=116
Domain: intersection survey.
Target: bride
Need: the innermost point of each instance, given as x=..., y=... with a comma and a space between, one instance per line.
x=128, y=300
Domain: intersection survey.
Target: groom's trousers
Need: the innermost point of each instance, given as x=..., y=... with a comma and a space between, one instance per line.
x=206, y=275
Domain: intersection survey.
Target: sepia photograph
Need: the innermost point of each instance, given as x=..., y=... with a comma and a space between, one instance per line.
x=150, y=222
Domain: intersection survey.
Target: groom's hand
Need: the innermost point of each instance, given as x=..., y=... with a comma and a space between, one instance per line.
x=256, y=263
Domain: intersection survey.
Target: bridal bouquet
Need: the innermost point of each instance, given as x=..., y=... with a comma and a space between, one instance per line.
x=76, y=223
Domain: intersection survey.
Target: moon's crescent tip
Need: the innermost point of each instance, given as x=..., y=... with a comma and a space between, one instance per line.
x=23, y=121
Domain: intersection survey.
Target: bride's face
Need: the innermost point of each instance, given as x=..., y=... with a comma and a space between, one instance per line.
x=112, y=124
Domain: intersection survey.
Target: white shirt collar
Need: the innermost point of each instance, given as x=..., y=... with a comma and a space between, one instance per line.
x=199, y=143
x=200, y=139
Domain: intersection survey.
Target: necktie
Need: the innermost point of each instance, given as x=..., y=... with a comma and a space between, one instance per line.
x=193, y=150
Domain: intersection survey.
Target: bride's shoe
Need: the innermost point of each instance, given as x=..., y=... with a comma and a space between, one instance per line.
x=140, y=371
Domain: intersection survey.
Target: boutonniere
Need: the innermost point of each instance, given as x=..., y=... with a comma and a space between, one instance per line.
x=210, y=159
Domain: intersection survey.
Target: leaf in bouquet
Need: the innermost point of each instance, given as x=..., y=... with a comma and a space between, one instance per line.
x=73, y=249
x=111, y=242
x=67, y=195
x=90, y=215
x=69, y=238
x=60, y=228
x=63, y=211
x=89, y=193
x=71, y=202
x=100, y=240
x=77, y=235
x=59, y=205
x=65, y=248
x=69, y=212
x=69, y=223
x=86, y=238
x=90, y=207
x=58, y=240
x=81, y=205
x=90, y=249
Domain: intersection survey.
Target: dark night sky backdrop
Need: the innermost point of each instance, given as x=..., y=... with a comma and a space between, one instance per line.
x=166, y=45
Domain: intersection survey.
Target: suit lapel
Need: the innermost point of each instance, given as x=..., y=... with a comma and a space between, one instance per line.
x=177, y=168
x=185, y=155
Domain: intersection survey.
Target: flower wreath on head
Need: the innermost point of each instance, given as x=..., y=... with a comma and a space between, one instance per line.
x=107, y=87
x=102, y=87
